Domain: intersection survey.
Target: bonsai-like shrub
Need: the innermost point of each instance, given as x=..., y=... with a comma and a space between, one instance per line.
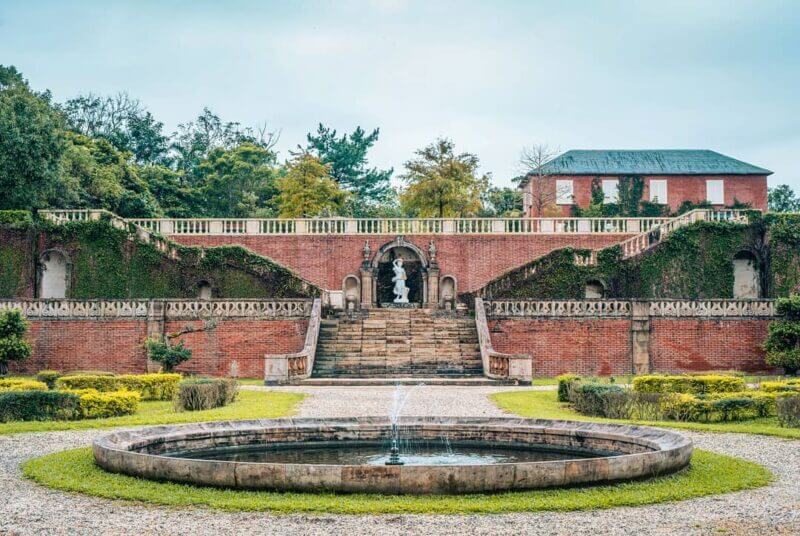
x=48, y=377
x=13, y=346
x=783, y=339
x=167, y=354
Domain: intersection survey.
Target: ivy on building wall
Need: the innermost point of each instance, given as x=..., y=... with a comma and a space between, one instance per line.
x=784, y=253
x=111, y=263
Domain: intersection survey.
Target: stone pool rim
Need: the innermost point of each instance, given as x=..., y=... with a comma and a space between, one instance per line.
x=643, y=452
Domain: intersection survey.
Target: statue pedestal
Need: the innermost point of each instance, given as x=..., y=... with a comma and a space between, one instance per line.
x=392, y=305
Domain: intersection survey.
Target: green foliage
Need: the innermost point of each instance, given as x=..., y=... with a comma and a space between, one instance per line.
x=31, y=145
x=346, y=157
x=630, y=192
x=783, y=199
x=307, y=190
x=787, y=386
x=587, y=398
x=441, y=183
x=722, y=407
x=788, y=411
x=16, y=217
x=12, y=384
x=94, y=404
x=688, y=384
x=169, y=355
x=566, y=382
x=502, y=202
x=48, y=377
x=205, y=393
x=783, y=336
x=149, y=386
x=13, y=346
x=784, y=237
x=38, y=406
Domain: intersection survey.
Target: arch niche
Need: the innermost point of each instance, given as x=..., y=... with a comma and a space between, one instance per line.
x=746, y=277
x=415, y=264
x=54, y=274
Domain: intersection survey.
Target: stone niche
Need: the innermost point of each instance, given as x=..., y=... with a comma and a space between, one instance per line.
x=422, y=274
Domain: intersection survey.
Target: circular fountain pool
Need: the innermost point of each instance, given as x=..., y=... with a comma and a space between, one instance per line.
x=438, y=455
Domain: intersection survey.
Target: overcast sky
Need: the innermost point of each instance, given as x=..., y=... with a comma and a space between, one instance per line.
x=493, y=75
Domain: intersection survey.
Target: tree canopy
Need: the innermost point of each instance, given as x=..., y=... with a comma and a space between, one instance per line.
x=306, y=189
x=783, y=199
x=441, y=183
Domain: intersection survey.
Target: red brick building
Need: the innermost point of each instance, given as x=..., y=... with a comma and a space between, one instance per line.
x=670, y=177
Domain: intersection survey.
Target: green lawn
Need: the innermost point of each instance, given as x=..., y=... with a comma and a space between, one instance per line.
x=545, y=405
x=250, y=405
x=709, y=474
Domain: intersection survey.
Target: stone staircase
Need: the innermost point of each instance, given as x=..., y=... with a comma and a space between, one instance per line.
x=395, y=343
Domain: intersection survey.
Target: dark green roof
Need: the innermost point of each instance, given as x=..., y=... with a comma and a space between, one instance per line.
x=649, y=162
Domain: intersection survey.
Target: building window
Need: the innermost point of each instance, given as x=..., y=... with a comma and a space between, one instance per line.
x=564, y=192
x=658, y=191
x=610, y=190
x=715, y=192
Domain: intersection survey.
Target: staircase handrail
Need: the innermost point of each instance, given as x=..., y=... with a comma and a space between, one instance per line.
x=283, y=368
x=498, y=365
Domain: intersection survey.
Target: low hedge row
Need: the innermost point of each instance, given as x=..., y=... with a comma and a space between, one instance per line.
x=695, y=385
x=10, y=384
x=44, y=405
x=150, y=386
x=781, y=386
x=205, y=393
x=38, y=406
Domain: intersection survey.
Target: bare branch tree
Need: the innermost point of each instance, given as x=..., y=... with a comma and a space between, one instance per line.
x=540, y=192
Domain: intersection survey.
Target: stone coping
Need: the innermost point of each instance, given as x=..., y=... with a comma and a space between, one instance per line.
x=638, y=452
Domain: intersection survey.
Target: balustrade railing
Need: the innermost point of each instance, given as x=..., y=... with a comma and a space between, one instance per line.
x=624, y=308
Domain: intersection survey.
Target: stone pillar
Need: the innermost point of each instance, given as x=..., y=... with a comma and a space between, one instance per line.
x=156, y=317
x=433, y=286
x=640, y=337
x=366, y=288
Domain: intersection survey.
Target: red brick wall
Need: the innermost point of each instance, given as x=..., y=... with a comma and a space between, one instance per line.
x=118, y=345
x=473, y=260
x=678, y=345
x=746, y=188
x=602, y=346
x=583, y=346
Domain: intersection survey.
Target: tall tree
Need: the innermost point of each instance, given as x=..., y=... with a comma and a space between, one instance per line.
x=236, y=182
x=783, y=199
x=195, y=140
x=121, y=120
x=441, y=183
x=503, y=202
x=31, y=143
x=306, y=189
x=539, y=183
x=347, y=157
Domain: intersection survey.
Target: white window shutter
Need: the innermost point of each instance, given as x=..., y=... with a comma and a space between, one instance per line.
x=610, y=190
x=658, y=191
x=715, y=191
x=564, y=192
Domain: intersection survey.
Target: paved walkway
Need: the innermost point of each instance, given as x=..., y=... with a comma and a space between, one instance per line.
x=27, y=508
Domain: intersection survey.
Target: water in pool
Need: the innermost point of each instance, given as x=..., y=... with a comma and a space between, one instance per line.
x=423, y=453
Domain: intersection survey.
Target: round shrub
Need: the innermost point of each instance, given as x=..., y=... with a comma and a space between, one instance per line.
x=788, y=410
x=565, y=384
x=205, y=393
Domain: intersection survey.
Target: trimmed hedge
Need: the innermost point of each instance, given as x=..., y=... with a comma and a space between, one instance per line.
x=696, y=385
x=788, y=411
x=38, y=406
x=566, y=382
x=150, y=386
x=10, y=384
x=718, y=407
x=48, y=377
x=94, y=404
x=781, y=386
x=205, y=393
x=588, y=398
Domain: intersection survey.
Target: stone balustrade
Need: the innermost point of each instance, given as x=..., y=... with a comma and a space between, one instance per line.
x=172, y=309
x=625, y=308
x=284, y=368
x=498, y=365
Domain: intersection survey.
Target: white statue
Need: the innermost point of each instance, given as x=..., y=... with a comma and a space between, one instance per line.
x=399, y=280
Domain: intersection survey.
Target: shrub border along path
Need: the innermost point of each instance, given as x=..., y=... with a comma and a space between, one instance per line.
x=29, y=507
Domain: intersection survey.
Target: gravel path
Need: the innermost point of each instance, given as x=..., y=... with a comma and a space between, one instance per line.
x=27, y=508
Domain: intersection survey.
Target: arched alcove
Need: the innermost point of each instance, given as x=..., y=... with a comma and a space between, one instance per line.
x=746, y=278
x=351, y=290
x=54, y=274
x=204, y=290
x=594, y=290
x=414, y=262
x=448, y=290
